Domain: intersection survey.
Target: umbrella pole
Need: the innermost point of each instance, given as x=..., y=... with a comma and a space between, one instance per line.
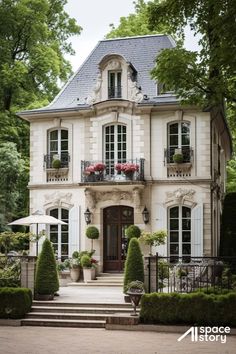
x=37, y=241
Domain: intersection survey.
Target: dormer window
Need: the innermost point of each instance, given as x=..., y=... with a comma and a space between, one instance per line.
x=114, y=84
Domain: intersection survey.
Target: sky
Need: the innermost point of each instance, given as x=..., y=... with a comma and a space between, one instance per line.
x=94, y=16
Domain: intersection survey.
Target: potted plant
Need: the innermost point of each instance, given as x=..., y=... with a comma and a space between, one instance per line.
x=128, y=169
x=88, y=268
x=135, y=292
x=46, y=279
x=178, y=158
x=74, y=266
x=134, y=268
x=89, y=172
x=92, y=233
x=153, y=238
x=98, y=169
x=56, y=164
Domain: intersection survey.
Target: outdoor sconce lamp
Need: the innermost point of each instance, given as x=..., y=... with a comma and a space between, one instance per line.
x=87, y=216
x=145, y=214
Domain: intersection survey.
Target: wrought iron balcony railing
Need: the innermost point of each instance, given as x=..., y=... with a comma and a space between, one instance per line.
x=185, y=151
x=114, y=92
x=111, y=170
x=64, y=157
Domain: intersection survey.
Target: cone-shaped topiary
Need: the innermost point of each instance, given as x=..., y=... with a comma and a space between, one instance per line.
x=46, y=280
x=133, y=231
x=134, y=268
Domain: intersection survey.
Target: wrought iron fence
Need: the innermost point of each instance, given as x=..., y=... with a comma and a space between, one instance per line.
x=99, y=171
x=64, y=157
x=209, y=274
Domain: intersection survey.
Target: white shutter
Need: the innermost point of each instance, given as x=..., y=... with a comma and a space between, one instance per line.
x=197, y=231
x=160, y=224
x=74, y=230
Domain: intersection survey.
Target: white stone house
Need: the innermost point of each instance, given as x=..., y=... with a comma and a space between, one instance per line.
x=111, y=112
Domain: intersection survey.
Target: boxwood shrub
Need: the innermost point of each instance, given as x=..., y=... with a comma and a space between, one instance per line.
x=194, y=309
x=15, y=302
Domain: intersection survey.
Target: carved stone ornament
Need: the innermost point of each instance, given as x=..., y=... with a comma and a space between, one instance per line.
x=115, y=195
x=113, y=65
x=180, y=195
x=95, y=96
x=135, y=93
x=57, y=198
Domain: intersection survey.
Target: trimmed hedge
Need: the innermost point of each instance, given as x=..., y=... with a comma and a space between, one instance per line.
x=134, y=268
x=46, y=280
x=194, y=309
x=15, y=302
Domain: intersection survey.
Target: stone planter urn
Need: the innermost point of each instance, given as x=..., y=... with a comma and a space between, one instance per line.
x=89, y=274
x=75, y=273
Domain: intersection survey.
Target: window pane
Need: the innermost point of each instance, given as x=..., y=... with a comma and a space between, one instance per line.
x=174, y=128
x=174, y=212
x=64, y=134
x=186, y=237
x=174, y=248
x=185, y=140
x=174, y=236
x=64, y=237
x=53, y=146
x=185, y=128
x=174, y=224
x=53, y=228
x=64, y=250
x=54, y=238
x=186, y=248
x=64, y=214
x=186, y=224
x=64, y=145
x=54, y=135
x=186, y=212
x=174, y=141
x=54, y=213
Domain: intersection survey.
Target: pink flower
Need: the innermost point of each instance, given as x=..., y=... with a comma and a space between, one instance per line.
x=127, y=167
x=118, y=167
x=99, y=167
x=90, y=169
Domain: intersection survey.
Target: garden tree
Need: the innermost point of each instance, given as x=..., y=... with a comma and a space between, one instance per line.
x=134, y=268
x=135, y=24
x=208, y=77
x=46, y=279
x=12, y=168
x=33, y=41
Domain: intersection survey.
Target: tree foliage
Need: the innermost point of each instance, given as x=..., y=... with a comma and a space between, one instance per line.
x=33, y=41
x=135, y=24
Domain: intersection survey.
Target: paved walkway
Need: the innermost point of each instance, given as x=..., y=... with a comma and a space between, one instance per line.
x=91, y=294
x=43, y=340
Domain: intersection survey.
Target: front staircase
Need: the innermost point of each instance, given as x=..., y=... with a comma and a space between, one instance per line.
x=62, y=314
x=103, y=279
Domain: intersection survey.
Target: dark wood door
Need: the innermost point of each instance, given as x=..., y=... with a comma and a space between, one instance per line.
x=115, y=220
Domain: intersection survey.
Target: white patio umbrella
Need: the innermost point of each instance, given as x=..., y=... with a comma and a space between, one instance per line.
x=35, y=219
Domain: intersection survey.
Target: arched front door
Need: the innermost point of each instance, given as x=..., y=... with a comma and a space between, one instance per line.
x=115, y=220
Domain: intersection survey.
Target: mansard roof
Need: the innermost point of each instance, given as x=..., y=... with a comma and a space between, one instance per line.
x=140, y=52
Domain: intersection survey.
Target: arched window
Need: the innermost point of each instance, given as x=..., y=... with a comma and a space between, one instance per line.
x=179, y=233
x=58, y=147
x=115, y=146
x=179, y=141
x=59, y=234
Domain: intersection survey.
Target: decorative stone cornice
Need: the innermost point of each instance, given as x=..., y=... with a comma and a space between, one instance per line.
x=181, y=197
x=57, y=199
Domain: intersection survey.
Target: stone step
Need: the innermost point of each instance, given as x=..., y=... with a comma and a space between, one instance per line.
x=80, y=305
x=63, y=323
x=110, y=279
x=95, y=283
x=67, y=316
x=92, y=309
x=111, y=275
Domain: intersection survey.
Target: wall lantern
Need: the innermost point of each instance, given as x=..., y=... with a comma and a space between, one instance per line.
x=145, y=214
x=87, y=216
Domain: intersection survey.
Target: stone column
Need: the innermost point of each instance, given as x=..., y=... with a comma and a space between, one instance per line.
x=27, y=273
x=150, y=269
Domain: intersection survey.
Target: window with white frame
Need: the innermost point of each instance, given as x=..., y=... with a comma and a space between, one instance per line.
x=179, y=233
x=114, y=84
x=58, y=147
x=59, y=234
x=115, y=146
x=179, y=141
